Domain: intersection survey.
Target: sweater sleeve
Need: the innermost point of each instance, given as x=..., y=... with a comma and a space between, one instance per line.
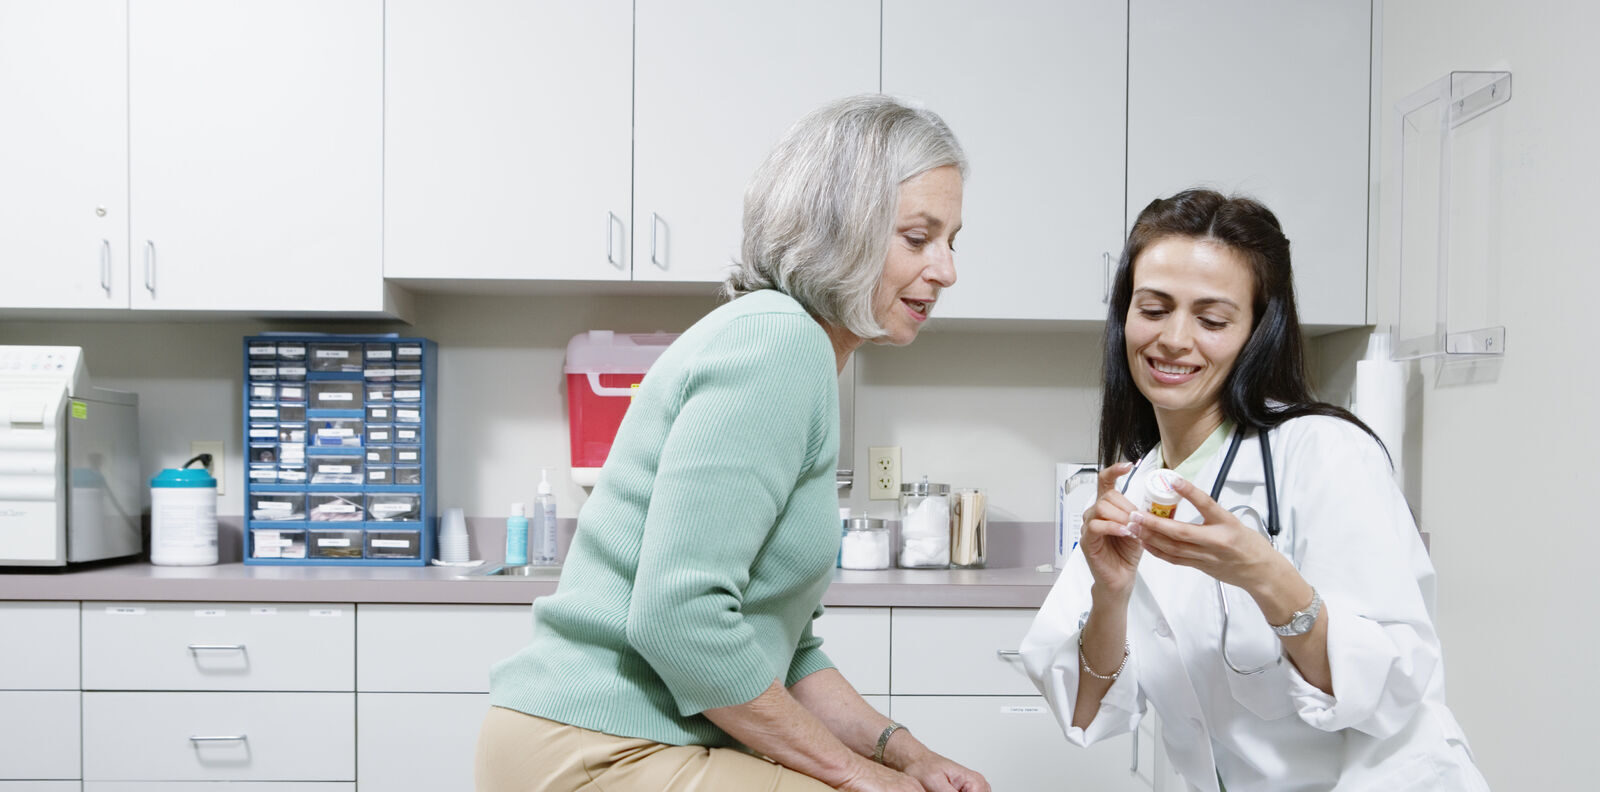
x=743, y=436
x=808, y=656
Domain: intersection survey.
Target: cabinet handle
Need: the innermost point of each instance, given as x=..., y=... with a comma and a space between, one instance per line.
x=1105, y=278
x=655, y=221
x=1008, y=652
x=105, y=265
x=612, y=221
x=150, y=266
x=216, y=647
x=217, y=738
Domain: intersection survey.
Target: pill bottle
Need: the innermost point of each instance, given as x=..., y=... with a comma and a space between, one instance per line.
x=1160, y=495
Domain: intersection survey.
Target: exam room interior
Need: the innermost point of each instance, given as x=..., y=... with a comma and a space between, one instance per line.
x=1515, y=574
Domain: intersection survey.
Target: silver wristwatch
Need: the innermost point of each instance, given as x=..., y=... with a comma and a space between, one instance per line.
x=1303, y=620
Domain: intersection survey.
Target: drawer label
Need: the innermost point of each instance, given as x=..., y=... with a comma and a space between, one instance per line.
x=210, y=613
x=264, y=611
x=264, y=371
x=338, y=542
x=408, y=415
x=292, y=371
x=408, y=394
x=333, y=469
x=379, y=354
x=292, y=394
x=332, y=353
x=1022, y=710
x=327, y=613
x=336, y=396
x=124, y=610
x=390, y=543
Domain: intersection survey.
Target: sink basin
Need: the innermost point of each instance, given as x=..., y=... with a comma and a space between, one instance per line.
x=525, y=572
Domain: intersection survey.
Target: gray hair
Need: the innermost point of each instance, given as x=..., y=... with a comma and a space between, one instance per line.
x=819, y=212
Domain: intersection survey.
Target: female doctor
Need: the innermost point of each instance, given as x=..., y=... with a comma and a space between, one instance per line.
x=1306, y=660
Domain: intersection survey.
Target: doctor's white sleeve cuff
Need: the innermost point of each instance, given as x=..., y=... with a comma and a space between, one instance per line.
x=1381, y=674
x=1051, y=660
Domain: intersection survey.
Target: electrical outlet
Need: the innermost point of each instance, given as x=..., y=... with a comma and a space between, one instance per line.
x=215, y=449
x=883, y=472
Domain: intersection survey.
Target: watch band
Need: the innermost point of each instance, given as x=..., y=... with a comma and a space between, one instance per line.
x=1302, y=620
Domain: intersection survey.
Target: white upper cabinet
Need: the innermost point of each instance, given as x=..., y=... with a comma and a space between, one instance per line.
x=256, y=140
x=63, y=154
x=1035, y=90
x=716, y=84
x=1270, y=99
x=507, y=139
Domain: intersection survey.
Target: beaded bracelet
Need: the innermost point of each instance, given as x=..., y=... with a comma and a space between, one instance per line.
x=1084, y=661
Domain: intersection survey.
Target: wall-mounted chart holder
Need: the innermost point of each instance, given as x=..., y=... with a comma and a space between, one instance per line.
x=1448, y=274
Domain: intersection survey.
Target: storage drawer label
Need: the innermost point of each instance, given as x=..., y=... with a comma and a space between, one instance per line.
x=210, y=613
x=124, y=610
x=327, y=613
x=1022, y=710
x=336, y=396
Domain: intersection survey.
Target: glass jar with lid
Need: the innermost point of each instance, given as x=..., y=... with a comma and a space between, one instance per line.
x=924, y=525
x=865, y=544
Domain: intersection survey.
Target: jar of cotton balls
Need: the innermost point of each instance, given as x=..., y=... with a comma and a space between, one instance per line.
x=865, y=544
x=924, y=525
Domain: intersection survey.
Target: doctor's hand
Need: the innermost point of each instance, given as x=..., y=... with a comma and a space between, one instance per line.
x=1222, y=546
x=1111, y=550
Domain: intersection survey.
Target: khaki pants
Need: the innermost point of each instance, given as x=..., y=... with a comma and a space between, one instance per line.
x=523, y=753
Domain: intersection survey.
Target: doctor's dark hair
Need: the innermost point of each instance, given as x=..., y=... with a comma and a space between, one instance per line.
x=820, y=211
x=1268, y=384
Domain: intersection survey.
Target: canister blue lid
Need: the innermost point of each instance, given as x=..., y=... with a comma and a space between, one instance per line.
x=188, y=477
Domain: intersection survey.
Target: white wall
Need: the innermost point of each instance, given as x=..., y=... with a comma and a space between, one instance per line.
x=993, y=410
x=1505, y=471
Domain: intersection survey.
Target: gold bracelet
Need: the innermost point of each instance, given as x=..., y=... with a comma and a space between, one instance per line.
x=883, y=740
x=1083, y=659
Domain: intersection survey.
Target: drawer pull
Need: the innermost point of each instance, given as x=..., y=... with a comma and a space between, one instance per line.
x=216, y=647
x=218, y=738
x=1008, y=652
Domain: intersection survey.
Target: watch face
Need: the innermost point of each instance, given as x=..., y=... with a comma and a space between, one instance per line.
x=1302, y=622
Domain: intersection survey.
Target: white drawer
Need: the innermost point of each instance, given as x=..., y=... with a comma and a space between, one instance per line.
x=396, y=728
x=226, y=646
x=39, y=734
x=1016, y=743
x=436, y=648
x=41, y=640
x=956, y=651
x=41, y=786
x=857, y=641
x=284, y=737
x=211, y=786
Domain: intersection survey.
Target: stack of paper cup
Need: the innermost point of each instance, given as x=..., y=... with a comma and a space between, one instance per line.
x=453, y=537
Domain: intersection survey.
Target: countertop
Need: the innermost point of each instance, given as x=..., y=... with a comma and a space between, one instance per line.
x=953, y=588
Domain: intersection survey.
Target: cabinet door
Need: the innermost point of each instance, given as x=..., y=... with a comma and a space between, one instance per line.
x=64, y=154
x=396, y=728
x=39, y=734
x=1016, y=743
x=1270, y=99
x=41, y=646
x=256, y=140
x=716, y=83
x=1036, y=91
x=507, y=136
x=436, y=648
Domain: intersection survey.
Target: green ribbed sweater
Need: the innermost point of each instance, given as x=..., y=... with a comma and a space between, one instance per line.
x=702, y=554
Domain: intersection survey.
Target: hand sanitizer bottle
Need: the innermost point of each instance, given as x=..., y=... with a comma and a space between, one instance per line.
x=544, y=521
x=517, y=536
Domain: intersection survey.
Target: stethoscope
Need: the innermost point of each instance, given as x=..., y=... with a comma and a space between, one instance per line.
x=1270, y=527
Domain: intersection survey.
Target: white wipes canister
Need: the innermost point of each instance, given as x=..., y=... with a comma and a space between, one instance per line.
x=183, y=518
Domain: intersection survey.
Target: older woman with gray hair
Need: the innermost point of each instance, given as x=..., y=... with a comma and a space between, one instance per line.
x=679, y=642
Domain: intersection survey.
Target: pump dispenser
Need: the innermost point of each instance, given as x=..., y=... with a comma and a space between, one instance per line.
x=544, y=521
x=517, y=536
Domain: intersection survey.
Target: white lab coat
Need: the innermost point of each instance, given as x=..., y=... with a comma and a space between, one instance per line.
x=1347, y=528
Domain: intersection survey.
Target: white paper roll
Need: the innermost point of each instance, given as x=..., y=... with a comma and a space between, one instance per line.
x=1380, y=401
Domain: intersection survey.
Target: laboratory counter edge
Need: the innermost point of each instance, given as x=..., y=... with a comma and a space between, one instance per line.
x=235, y=582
